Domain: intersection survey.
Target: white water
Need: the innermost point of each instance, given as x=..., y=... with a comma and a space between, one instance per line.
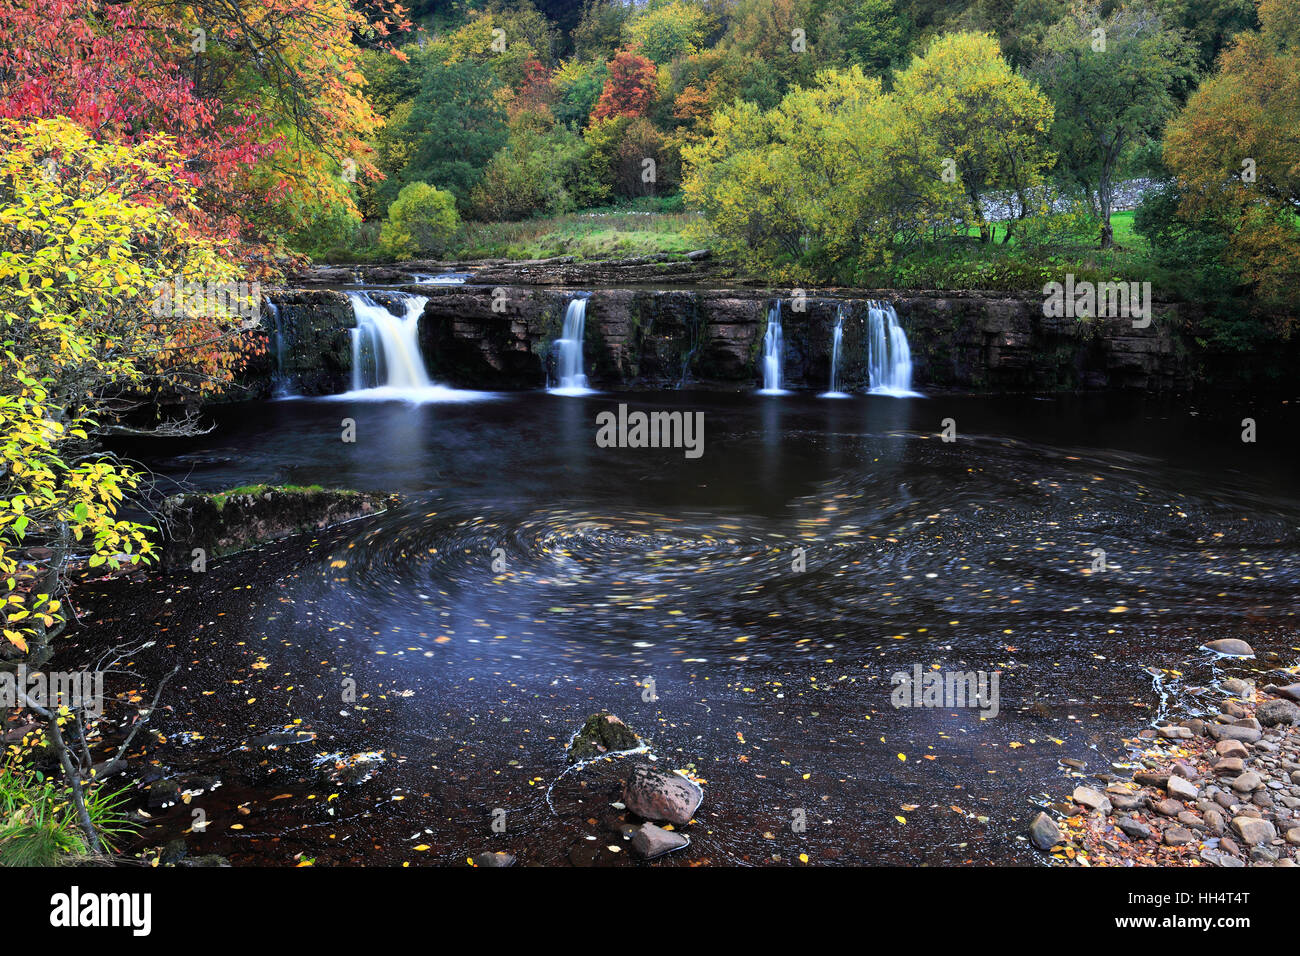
x=442, y=278
x=837, y=336
x=569, y=348
x=387, y=364
x=773, y=352
x=279, y=384
x=889, y=358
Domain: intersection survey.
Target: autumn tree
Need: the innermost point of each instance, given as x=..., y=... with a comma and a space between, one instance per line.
x=1235, y=152
x=630, y=87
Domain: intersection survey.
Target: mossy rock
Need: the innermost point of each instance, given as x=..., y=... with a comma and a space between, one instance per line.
x=601, y=734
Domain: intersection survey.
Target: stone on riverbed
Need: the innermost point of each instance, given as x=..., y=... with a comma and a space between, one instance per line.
x=494, y=859
x=1253, y=830
x=651, y=841
x=601, y=734
x=661, y=794
x=1181, y=789
x=1043, y=832
x=1238, y=687
x=1231, y=646
x=1091, y=799
x=1274, y=712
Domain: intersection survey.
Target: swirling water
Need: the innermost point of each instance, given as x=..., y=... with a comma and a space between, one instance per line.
x=746, y=611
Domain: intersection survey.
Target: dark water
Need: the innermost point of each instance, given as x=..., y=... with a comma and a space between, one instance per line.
x=771, y=684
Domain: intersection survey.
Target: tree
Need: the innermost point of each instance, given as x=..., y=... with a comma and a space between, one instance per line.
x=667, y=31
x=1114, y=80
x=631, y=82
x=965, y=113
x=92, y=249
x=1235, y=152
x=419, y=223
x=457, y=124
x=264, y=98
x=873, y=34
x=804, y=191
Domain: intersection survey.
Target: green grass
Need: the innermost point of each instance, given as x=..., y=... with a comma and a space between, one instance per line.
x=38, y=822
x=608, y=234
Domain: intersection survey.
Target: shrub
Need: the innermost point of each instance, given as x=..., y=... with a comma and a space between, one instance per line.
x=420, y=222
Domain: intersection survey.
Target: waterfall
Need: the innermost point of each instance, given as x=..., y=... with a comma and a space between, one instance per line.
x=773, y=352
x=280, y=385
x=385, y=348
x=889, y=358
x=568, y=349
x=837, y=336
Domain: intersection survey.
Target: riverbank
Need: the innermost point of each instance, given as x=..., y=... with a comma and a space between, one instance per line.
x=1219, y=787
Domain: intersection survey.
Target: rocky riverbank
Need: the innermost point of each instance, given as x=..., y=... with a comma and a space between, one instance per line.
x=1221, y=788
x=200, y=527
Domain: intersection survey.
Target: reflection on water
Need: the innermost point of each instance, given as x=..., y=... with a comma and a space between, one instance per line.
x=532, y=577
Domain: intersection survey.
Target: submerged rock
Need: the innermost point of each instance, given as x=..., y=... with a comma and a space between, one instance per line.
x=651, y=841
x=601, y=734
x=660, y=794
x=494, y=859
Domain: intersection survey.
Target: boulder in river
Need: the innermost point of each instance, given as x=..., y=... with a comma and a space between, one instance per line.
x=494, y=859
x=661, y=794
x=602, y=733
x=1043, y=832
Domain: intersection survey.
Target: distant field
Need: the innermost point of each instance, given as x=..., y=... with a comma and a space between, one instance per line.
x=587, y=235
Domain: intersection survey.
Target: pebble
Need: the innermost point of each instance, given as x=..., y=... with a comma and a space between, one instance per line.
x=1181, y=788
x=1247, y=782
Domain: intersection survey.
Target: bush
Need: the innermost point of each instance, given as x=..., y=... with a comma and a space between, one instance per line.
x=420, y=222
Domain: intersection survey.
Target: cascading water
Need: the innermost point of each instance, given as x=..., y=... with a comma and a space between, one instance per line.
x=837, y=336
x=280, y=380
x=385, y=348
x=568, y=350
x=386, y=358
x=773, y=352
x=889, y=358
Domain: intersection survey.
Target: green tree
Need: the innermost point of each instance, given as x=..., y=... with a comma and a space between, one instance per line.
x=1114, y=80
x=666, y=31
x=456, y=126
x=1235, y=152
x=420, y=222
x=966, y=117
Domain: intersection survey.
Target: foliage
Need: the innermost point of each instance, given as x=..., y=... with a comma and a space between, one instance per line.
x=420, y=221
x=1114, y=80
x=669, y=30
x=459, y=96
x=630, y=86
x=38, y=819
x=1234, y=150
x=839, y=175
x=87, y=240
x=962, y=104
